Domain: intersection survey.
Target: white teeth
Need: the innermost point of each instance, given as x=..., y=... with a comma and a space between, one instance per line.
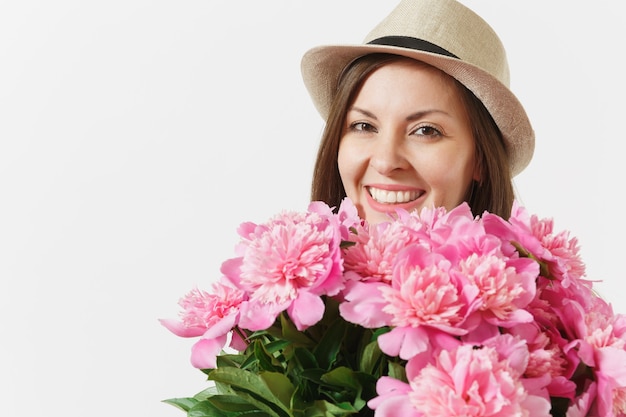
x=392, y=197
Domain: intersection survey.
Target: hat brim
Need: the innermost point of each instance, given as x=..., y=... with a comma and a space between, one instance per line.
x=323, y=65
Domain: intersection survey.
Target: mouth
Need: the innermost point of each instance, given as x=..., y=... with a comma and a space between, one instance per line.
x=393, y=197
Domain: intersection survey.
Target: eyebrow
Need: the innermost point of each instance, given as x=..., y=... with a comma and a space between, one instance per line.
x=411, y=117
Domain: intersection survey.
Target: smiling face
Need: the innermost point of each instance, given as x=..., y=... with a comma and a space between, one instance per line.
x=406, y=142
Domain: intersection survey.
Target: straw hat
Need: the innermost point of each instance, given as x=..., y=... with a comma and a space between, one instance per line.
x=448, y=36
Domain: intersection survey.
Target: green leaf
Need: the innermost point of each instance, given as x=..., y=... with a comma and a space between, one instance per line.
x=275, y=330
x=277, y=345
x=229, y=360
x=305, y=359
x=206, y=393
x=397, y=371
x=370, y=358
x=331, y=310
x=231, y=403
x=357, y=387
x=255, y=389
x=314, y=375
x=330, y=344
x=183, y=403
x=342, y=377
x=263, y=407
x=280, y=386
x=250, y=362
x=206, y=409
x=325, y=408
x=291, y=333
x=266, y=361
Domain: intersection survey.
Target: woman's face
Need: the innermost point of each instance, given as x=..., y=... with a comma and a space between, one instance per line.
x=406, y=142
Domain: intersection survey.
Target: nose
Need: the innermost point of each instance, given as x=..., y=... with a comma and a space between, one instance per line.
x=388, y=153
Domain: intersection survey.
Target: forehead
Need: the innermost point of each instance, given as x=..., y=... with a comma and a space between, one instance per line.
x=406, y=70
x=411, y=81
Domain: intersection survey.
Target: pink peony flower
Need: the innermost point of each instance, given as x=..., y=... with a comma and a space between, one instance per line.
x=287, y=264
x=424, y=292
x=424, y=298
x=505, y=287
x=347, y=216
x=545, y=358
x=604, y=334
x=363, y=304
x=211, y=316
x=469, y=381
x=375, y=249
x=559, y=252
x=376, y=246
x=392, y=399
x=472, y=382
x=484, y=316
x=451, y=230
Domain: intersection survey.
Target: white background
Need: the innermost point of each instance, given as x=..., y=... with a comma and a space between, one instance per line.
x=135, y=136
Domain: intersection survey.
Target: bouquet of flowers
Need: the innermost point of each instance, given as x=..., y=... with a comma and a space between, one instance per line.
x=437, y=313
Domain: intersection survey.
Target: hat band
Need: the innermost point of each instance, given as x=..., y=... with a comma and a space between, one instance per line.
x=412, y=43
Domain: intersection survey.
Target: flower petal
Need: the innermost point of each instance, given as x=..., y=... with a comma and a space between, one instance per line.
x=306, y=310
x=179, y=329
x=257, y=316
x=364, y=304
x=204, y=352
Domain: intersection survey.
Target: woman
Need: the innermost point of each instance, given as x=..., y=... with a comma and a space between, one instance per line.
x=425, y=53
x=438, y=315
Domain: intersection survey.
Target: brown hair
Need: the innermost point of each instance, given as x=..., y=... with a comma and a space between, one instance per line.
x=493, y=192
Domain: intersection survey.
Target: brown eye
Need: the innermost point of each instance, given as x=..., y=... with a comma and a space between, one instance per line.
x=362, y=127
x=427, y=131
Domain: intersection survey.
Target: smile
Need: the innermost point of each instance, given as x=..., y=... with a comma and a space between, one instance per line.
x=393, y=197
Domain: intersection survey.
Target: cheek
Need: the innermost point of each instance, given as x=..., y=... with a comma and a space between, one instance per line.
x=450, y=173
x=347, y=161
